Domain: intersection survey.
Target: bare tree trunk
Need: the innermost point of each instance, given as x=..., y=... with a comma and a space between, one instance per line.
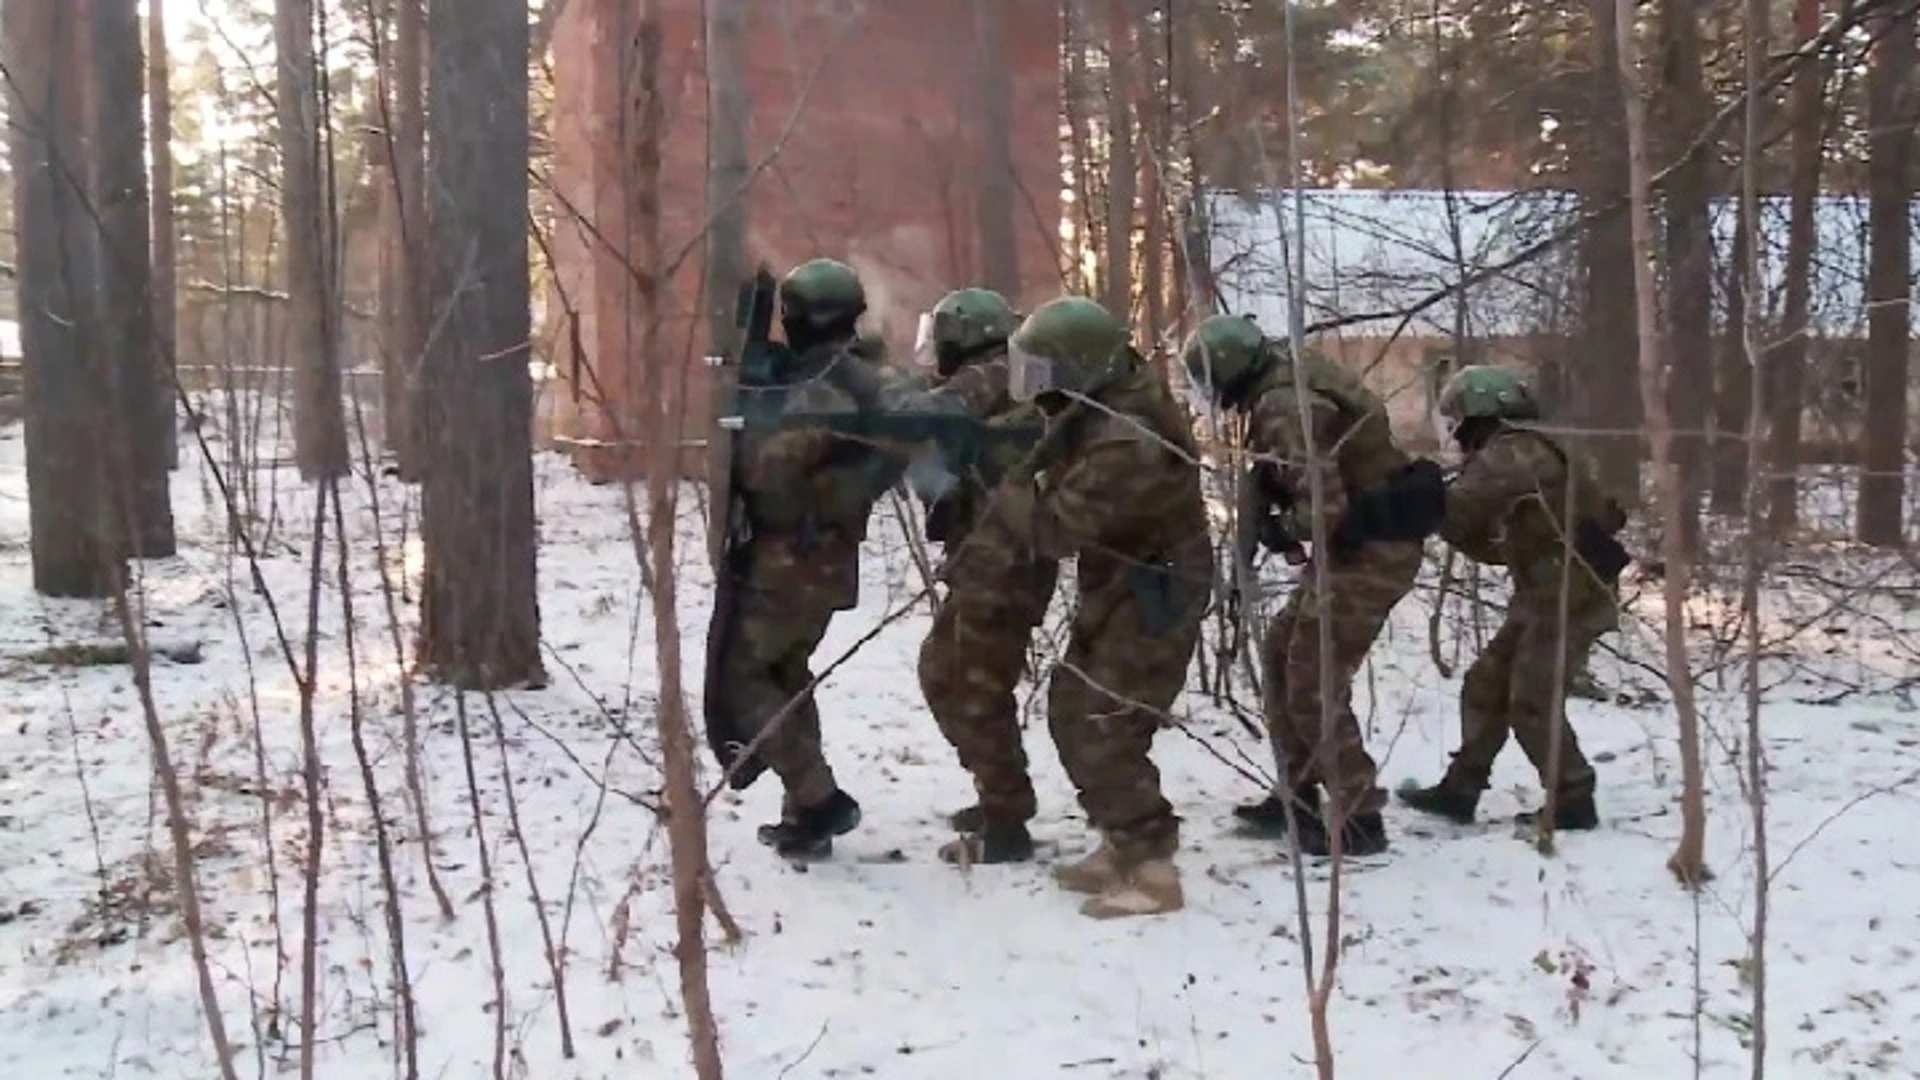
x=661, y=391
x=995, y=194
x=1755, y=48
x=728, y=174
x=138, y=389
x=1608, y=354
x=1116, y=285
x=1787, y=373
x=1079, y=94
x=1733, y=393
x=1689, y=242
x=1890, y=122
x=480, y=614
x=77, y=552
x=319, y=421
x=166, y=297
x=1689, y=858
x=543, y=27
x=404, y=231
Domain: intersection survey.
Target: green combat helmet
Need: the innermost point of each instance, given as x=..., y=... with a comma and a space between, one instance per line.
x=1485, y=392
x=964, y=324
x=819, y=294
x=1481, y=397
x=1071, y=345
x=1223, y=358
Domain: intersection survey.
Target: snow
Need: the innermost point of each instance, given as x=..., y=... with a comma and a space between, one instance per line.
x=1465, y=951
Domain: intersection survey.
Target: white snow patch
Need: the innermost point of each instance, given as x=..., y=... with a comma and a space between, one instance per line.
x=1463, y=953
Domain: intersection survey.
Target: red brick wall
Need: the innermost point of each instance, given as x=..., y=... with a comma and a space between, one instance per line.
x=863, y=113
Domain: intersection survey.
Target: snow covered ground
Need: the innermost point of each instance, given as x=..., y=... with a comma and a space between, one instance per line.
x=1467, y=954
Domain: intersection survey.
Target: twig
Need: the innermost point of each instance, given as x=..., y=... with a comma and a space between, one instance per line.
x=407, y=1033
x=307, y=681
x=487, y=907
x=556, y=958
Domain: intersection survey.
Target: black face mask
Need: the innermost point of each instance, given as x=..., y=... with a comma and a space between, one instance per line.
x=1473, y=432
x=949, y=358
x=803, y=334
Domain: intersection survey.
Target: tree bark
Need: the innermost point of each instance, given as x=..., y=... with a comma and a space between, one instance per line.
x=76, y=550
x=166, y=296
x=141, y=395
x=1786, y=374
x=1689, y=244
x=480, y=616
x=1609, y=353
x=1890, y=122
x=728, y=174
x=1116, y=286
x=1733, y=393
x=319, y=421
x=995, y=193
x=1689, y=858
x=405, y=300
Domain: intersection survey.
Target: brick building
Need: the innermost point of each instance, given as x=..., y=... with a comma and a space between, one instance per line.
x=863, y=136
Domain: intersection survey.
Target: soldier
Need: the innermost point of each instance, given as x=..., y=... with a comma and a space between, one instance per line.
x=1510, y=507
x=807, y=494
x=997, y=593
x=1237, y=367
x=1118, y=488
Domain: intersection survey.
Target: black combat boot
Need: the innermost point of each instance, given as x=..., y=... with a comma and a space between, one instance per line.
x=993, y=842
x=1443, y=800
x=1360, y=835
x=1571, y=813
x=1267, y=819
x=809, y=832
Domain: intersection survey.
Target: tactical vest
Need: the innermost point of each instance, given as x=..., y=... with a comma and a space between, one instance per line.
x=1363, y=450
x=1139, y=399
x=839, y=494
x=1541, y=527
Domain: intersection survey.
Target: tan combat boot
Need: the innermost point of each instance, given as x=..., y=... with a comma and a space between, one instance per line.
x=1092, y=875
x=1150, y=888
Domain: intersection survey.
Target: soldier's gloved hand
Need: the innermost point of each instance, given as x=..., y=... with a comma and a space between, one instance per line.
x=1274, y=536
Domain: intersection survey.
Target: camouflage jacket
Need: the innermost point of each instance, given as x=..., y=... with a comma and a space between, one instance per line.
x=979, y=388
x=1120, y=480
x=1353, y=447
x=810, y=492
x=1513, y=504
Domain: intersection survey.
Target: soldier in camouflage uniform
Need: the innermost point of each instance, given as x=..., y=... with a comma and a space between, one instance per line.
x=808, y=494
x=1235, y=366
x=997, y=593
x=1117, y=488
x=1510, y=507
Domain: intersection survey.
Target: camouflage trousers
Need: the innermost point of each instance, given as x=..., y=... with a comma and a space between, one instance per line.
x=1126, y=661
x=1330, y=750
x=767, y=666
x=970, y=665
x=1518, y=685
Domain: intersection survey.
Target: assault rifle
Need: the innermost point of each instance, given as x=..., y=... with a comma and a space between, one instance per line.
x=962, y=444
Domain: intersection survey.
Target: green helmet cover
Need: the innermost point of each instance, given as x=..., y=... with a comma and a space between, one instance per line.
x=969, y=320
x=1224, y=355
x=1068, y=345
x=1485, y=392
x=822, y=292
